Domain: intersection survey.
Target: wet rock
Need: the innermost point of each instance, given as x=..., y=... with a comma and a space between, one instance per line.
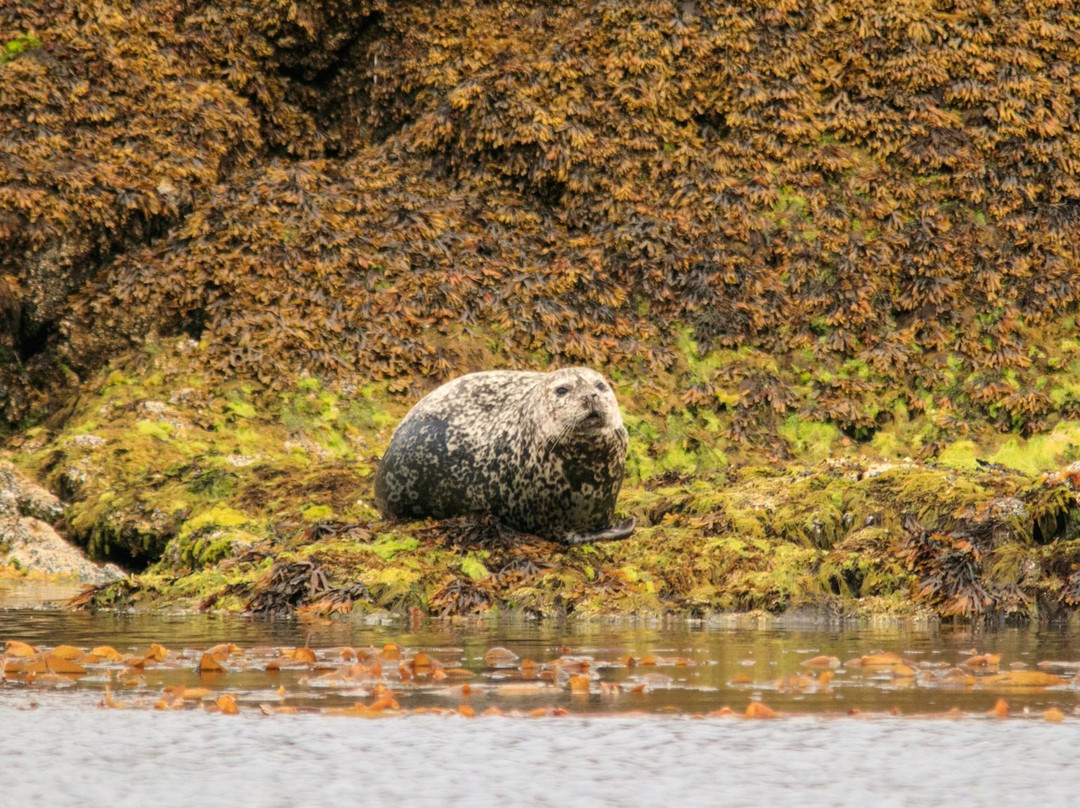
x=31, y=544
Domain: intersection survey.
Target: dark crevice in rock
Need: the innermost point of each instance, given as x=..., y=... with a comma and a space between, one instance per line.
x=341, y=59
x=32, y=337
x=323, y=78
x=124, y=559
x=194, y=324
x=712, y=125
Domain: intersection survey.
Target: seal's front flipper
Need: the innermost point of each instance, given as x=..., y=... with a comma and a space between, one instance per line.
x=613, y=533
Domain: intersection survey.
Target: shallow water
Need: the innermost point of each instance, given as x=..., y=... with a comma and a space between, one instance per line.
x=700, y=668
x=834, y=745
x=18, y=593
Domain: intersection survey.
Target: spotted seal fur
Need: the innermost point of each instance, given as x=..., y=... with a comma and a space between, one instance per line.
x=543, y=452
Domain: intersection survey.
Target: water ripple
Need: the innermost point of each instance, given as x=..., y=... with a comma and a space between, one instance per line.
x=190, y=758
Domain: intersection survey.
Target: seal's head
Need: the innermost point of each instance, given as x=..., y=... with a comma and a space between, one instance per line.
x=578, y=401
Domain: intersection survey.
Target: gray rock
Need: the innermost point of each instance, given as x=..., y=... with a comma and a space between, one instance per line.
x=31, y=544
x=31, y=498
x=88, y=441
x=9, y=504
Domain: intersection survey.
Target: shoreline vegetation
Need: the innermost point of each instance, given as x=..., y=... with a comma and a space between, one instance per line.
x=238, y=499
x=827, y=251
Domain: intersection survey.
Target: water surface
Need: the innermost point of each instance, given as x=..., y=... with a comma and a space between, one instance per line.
x=644, y=738
x=700, y=667
x=116, y=758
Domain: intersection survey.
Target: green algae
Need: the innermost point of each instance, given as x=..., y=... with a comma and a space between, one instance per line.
x=474, y=567
x=202, y=489
x=18, y=45
x=812, y=440
x=959, y=454
x=316, y=513
x=388, y=546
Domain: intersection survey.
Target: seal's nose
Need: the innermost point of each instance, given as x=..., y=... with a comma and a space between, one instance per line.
x=592, y=401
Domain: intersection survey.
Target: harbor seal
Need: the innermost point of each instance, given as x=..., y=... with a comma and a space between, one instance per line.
x=542, y=452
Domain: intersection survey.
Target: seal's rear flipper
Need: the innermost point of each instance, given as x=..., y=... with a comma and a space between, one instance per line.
x=613, y=533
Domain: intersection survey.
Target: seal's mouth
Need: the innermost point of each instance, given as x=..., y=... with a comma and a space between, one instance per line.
x=592, y=413
x=594, y=418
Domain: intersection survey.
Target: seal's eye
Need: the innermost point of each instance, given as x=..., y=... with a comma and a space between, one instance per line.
x=601, y=386
x=561, y=391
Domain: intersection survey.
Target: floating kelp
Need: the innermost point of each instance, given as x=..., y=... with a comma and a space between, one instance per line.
x=398, y=680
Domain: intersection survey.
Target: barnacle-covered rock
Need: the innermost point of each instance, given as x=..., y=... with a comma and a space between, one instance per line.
x=28, y=542
x=21, y=496
x=32, y=546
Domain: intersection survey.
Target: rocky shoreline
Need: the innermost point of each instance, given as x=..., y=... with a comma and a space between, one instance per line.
x=226, y=498
x=825, y=252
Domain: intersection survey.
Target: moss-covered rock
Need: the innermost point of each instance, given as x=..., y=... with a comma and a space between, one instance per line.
x=261, y=499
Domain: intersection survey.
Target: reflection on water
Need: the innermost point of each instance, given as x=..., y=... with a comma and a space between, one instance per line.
x=28, y=594
x=697, y=669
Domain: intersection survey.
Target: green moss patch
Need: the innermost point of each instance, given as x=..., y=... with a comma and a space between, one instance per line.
x=236, y=497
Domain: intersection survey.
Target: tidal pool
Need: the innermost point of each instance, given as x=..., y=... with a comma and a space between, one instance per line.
x=626, y=714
